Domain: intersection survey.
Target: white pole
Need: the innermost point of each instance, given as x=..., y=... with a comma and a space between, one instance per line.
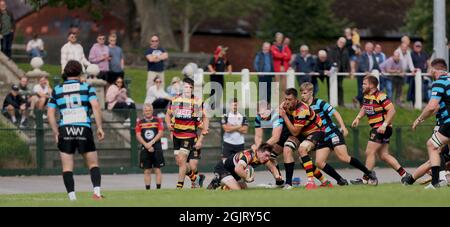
x=440, y=29
x=334, y=87
x=198, y=83
x=418, y=80
x=290, y=78
x=245, y=88
x=376, y=74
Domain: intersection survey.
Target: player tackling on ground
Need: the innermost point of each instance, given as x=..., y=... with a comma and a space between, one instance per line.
x=380, y=111
x=75, y=101
x=439, y=105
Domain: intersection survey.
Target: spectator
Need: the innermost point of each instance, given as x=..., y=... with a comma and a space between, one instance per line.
x=379, y=55
x=219, y=64
x=235, y=126
x=393, y=66
x=356, y=38
x=35, y=47
x=157, y=96
x=304, y=63
x=282, y=55
x=340, y=58
x=352, y=49
x=421, y=62
x=100, y=56
x=367, y=62
x=407, y=64
x=156, y=56
x=42, y=93
x=117, y=62
x=7, y=27
x=14, y=105
x=264, y=63
x=73, y=51
x=117, y=99
x=323, y=67
x=175, y=88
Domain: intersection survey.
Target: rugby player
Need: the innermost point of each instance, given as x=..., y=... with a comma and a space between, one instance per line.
x=149, y=132
x=381, y=112
x=334, y=137
x=184, y=116
x=439, y=105
x=75, y=101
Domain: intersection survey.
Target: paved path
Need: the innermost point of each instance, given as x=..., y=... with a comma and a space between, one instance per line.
x=49, y=184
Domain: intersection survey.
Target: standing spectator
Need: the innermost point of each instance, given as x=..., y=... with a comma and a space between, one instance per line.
x=282, y=55
x=219, y=64
x=352, y=49
x=379, y=55
x=156, y=56
x=157, y=96
x=304, y=63
x=393, y=66
x=35, y=47
x=42, y=93
x=340, y=58
x=7, y=27
x=421, y=62
x=367, y=62
x=100, y=56
x=14, y=105
x=407, y=65
x=323, y=67
x=264, y=63
x=73, y=51
x=117, y=62
x=235, y=126
x=175, y=88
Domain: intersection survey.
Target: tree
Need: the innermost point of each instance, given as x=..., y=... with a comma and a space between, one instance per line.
x=188, y=15
x=153, y=16
x=419, y=21
x=303, y=20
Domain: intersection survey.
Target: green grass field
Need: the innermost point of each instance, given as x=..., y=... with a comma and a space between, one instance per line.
x=389, y=195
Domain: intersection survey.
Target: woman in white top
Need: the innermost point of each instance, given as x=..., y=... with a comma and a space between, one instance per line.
x=157, y=96
x=35, y=47
x=42, y=93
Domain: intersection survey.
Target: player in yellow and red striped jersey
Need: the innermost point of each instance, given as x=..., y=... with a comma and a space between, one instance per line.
x=380, y=111
x=304, y=124
x=184, y=116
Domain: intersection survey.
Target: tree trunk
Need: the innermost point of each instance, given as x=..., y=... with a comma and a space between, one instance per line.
x=154, y=18
x=186, y=35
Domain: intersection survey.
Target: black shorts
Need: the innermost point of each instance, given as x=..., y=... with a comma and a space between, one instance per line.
x=230, y=149
x=446, y=153
x=187, y=144
x=151, y=160
x=381, y=138
x=73, y=138
x=220, y=171
x=335, y=141
x=314, y=137
x=445, y=130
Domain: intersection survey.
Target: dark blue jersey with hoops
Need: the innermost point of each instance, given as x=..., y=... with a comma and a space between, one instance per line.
x=73, y=98
x=441, y=92
x=325, y=111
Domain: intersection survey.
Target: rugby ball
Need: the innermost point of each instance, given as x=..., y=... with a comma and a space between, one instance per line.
x=250, y=172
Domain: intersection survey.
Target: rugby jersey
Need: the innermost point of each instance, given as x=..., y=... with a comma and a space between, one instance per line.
x=149, y=128
x=305, y=117
x=325, y=112
x=73, y=98
x=187, y=116
x=246, y=158
x=441, y=92
x=376, y=107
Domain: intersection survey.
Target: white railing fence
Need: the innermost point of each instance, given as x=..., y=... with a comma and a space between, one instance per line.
x=291, y=80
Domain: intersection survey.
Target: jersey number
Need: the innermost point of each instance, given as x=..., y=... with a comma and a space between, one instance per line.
x=73, y=101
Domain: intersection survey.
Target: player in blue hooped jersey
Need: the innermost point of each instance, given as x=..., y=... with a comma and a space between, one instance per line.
x=334, y=137
x=439, y=105
x=75, y=102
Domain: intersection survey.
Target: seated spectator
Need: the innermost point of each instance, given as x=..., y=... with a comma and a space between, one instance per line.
x=14, y=106
x=35, y=47
x=42, y=93
x=157, y=96
x=26, y=91
x=117, y=97
x=175, y=88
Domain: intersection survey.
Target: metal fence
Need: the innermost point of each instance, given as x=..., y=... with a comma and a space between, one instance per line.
x=33, y=151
